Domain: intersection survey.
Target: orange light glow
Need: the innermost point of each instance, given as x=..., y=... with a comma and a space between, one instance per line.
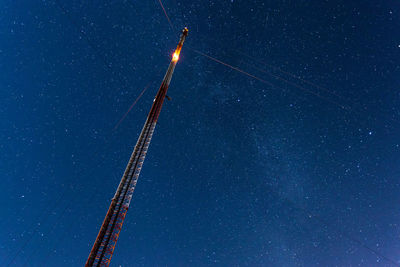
x=175, y=56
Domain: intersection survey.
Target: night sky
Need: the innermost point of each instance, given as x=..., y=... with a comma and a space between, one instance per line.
x=296, y=163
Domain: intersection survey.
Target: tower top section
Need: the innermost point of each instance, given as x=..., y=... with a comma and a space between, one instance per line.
x=175, y=56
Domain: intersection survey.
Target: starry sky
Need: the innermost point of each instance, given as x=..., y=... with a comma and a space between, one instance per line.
x=290, y=158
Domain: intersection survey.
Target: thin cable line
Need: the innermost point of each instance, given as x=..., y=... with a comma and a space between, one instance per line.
x=133, y=104
x=166, y=15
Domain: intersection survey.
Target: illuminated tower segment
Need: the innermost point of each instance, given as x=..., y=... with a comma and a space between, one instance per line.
x=104, y=246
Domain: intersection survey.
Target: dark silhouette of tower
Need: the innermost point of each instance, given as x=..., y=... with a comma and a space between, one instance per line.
x=104, y=246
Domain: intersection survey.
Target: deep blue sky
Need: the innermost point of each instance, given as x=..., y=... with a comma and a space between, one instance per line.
x=235, y=166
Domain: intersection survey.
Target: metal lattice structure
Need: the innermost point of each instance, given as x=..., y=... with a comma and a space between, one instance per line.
x=107, y=238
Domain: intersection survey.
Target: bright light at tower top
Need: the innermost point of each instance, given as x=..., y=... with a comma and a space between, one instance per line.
x=175, y=56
